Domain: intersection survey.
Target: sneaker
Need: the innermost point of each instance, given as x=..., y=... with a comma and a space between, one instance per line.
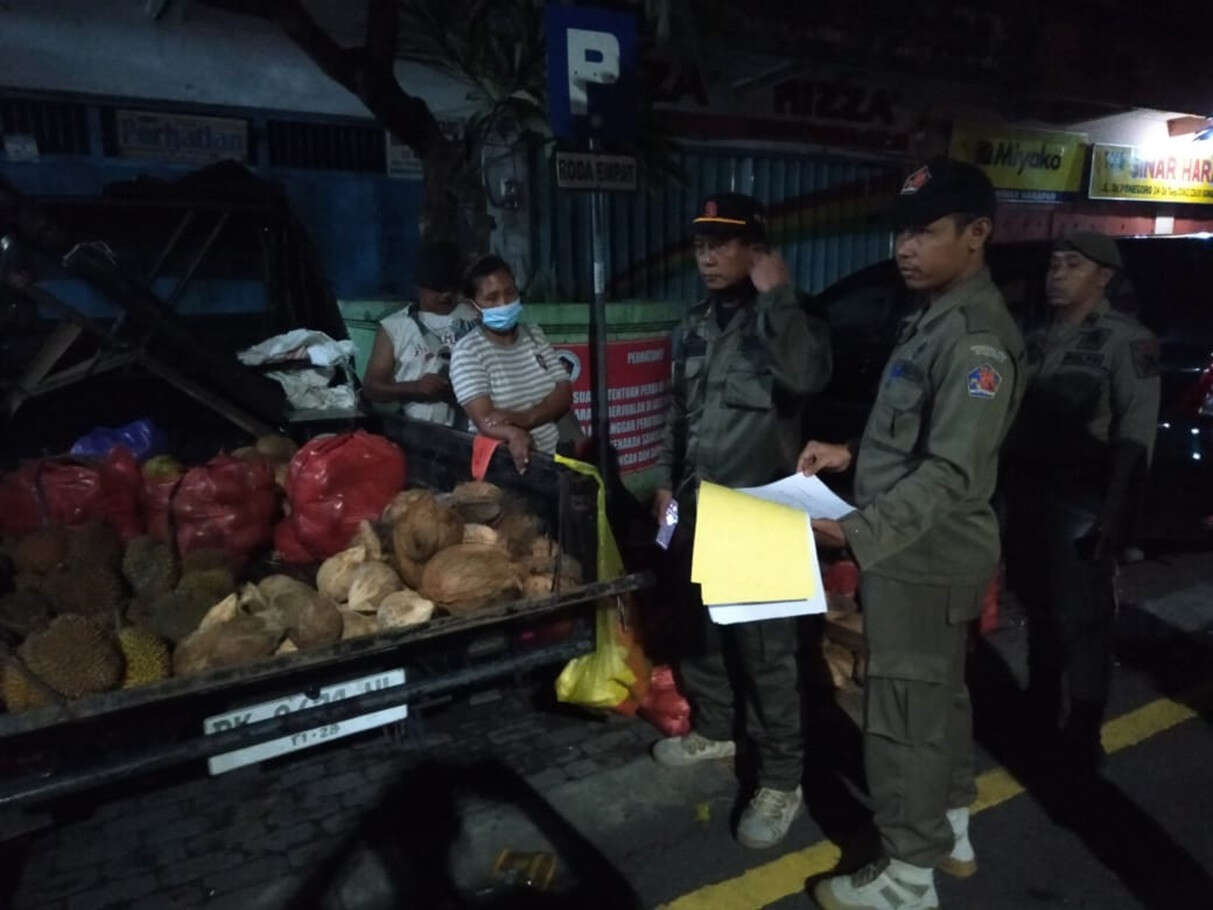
x=766, y=820
x=962, y=861
x=680, y=751
x=882, y=885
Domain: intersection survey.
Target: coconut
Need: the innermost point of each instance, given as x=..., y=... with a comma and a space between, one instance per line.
x=337, y=573
x=372, y=581
x=518, y=531
x=312, y=620
x=478, y=501
x=251, y=599
x=248, y=453
x=400, y=504
x=224, y=611
x=546, y=558
x=356, y=625
x=467, y=576
x=403, y=609
x=276, y=447
x=366, y=536
x=410, y=571
x=273, y=585
x=474, y=533
x=539, y=585
x=424, y=529
x=240, y=641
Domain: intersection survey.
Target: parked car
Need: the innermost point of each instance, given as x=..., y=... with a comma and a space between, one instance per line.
x=1165, y=284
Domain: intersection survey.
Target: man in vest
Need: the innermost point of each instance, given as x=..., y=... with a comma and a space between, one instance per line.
x=411, y=361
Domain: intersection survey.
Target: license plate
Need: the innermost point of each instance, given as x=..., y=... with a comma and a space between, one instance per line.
x=228, y=761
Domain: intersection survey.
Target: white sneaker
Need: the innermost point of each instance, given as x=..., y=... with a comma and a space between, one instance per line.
x=766, y=820
x=680, y=751
x=962, y=861
x=884, y=885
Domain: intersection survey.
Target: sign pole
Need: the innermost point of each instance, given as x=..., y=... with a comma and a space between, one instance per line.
x=598, y=326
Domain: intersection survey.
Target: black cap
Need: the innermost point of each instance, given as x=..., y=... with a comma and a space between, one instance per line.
x=943, y=187
x=438, y=266
x=1099, y=248
x=731, y=215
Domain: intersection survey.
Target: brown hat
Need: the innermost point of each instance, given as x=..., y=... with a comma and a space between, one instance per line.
x=1099, y=248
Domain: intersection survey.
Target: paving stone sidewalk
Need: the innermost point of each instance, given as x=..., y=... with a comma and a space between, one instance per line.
x=253, y=838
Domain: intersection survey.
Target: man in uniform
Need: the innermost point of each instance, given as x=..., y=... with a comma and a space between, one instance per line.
x=746, y=360
x=1076, y=460
x=924, y=535
x=410, y=363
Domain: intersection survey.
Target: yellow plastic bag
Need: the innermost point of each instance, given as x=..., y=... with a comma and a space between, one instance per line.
x=610, y=678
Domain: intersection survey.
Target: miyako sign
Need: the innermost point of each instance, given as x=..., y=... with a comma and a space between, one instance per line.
x=1024, y=165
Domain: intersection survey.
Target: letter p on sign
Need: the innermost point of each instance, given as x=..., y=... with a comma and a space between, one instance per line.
x=588, y=45
x=593, y=57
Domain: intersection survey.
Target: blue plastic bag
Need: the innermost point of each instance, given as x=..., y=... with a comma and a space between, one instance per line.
x=142, y=437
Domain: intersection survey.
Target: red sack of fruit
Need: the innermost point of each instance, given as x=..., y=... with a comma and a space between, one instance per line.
x=664, y=707
x=69, y=491
x=226, y=504
x=333, y=483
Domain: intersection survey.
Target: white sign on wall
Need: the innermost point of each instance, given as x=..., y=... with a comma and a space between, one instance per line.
x=180, y=137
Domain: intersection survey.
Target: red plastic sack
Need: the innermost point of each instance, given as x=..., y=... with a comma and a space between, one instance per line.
x=663, y=705
x=333, y=483
x=68, y=491
x=227, y=504
x=842, y=577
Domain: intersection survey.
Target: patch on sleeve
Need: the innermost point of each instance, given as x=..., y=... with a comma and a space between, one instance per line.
x=1145, y=357
x=984, y=382
x=985, y=350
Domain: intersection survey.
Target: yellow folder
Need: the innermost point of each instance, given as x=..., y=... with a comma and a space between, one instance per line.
x=749, y=550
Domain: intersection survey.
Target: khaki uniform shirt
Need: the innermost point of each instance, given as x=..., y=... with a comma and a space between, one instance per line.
x=738, y=394
x=1097, y=379
x=928, y=461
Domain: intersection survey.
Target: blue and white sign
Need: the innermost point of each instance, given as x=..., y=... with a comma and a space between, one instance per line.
x=589, y=47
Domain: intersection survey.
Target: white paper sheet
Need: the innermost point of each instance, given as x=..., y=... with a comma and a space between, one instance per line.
x=808, y=494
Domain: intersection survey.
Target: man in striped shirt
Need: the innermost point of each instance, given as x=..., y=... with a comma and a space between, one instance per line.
x=505, y=374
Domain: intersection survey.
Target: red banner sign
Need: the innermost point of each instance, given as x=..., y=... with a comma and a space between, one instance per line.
x=639, y=376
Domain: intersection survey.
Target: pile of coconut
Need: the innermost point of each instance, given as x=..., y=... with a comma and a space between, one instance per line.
x=84, y=613
x=428, y=554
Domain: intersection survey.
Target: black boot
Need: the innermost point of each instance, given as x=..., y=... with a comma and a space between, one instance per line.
x=1081, y=737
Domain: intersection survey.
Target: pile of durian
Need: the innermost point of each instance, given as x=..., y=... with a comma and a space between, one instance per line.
x=85, y=614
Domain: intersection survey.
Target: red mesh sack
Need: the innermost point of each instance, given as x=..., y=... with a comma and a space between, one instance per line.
x=68, y=491
x=227, y=504
x=333, y=483
x=663, y=705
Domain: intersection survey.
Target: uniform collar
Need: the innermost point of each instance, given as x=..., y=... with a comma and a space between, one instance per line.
x=1058, y=328
x=957, y=297
x=960, y=295
x=740, y=297
x=1096, y=314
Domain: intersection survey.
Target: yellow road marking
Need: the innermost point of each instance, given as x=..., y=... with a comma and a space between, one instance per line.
x=786, y=875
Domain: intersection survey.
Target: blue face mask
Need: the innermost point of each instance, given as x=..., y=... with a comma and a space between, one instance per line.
x=502, y=318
